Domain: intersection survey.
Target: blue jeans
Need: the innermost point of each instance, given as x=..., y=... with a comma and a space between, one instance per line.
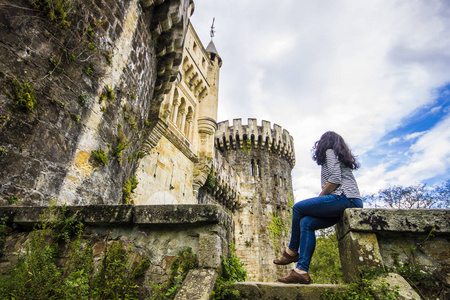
x=312, y=214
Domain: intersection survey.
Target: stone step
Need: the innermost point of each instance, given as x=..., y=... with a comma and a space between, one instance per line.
x=281, y=291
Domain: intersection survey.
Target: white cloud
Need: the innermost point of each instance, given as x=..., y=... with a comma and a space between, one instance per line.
x=414, y=135
x=355, y=67
x=393, y=141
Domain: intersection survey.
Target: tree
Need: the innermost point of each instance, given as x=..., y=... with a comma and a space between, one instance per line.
x=325, y=264
x=415, y=196
x=442, y=193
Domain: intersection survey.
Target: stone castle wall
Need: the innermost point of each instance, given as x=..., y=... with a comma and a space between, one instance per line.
x=71, y=86
x=263, y=157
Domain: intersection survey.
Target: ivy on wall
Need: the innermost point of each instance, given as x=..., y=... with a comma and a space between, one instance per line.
x=277, y=228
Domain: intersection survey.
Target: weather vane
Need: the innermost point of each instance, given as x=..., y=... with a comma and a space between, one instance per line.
x=212, y=29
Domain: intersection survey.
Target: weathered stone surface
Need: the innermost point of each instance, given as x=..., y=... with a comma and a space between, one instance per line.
x=386, y=238
x=358, y=249
x=118, y=46
x=397, y=282
x=263, y=157
x=281, y=291
x=191, y=214
x=181, y=214
x=394, y=220
x=158, y=240
x=198, y=285
x=206, y=258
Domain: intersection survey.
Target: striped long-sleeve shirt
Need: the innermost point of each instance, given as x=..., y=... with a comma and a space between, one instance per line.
x=334, y=171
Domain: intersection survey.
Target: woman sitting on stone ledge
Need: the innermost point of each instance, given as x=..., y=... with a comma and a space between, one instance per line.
x=339, y=191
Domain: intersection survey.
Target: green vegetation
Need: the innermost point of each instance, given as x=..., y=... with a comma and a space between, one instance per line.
x=40, y=274
x=58, y=103
x=365, y=289
x=127, y=189
x=91, y=46
x=100, y=157
x=88, y=70
x=231, y=271
x=277, y=228
x=210, y=182
x=108, y=57
x=185, y=261
x=75, y=117
x=56, y=10
x=325, y=264
x=82, y=99
x=13, y=199
x=122, y=145
x=109, y=92
x=22, y=94
x=3, y=231
x=3, y=150
x=139, y=154
x=425, y=284
x=246, y=146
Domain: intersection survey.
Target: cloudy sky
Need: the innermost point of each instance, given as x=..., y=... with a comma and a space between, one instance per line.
x=376, y=72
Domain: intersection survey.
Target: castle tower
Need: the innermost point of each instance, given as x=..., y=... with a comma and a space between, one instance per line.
x=263, y=157
x=207, y=119
x=179, y=151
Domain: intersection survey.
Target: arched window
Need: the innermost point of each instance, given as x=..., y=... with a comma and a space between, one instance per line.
x=253, y=167
x=175, y=104
x=188, y=125
x=258, y=168
x=181, y=113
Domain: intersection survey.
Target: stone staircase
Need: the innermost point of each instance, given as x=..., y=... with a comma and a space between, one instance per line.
x=280, y=291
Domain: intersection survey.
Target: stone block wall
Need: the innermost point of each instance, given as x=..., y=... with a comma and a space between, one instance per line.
x=76, y=83
x=382, y=237
x=168, y=229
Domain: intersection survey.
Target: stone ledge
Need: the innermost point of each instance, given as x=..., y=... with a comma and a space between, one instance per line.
x=126, y=214
x=394, y=220
x=281, y=291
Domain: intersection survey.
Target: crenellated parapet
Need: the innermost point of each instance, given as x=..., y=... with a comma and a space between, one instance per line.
x=238, y=136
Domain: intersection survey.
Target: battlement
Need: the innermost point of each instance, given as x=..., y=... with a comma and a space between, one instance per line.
x=276, y=139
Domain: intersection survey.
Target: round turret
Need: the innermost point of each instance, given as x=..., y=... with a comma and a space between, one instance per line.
x=263, y=157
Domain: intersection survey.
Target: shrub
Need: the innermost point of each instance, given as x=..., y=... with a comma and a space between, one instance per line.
x=100, y=157
x=231, y=271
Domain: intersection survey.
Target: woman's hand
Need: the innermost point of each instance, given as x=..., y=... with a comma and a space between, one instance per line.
x=329, y=188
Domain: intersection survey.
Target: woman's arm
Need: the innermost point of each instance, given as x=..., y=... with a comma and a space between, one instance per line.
x=329, y=188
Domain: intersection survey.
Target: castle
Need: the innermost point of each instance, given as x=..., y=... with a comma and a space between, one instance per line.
x=110, y=107
x=244, y=168
x=128, y=115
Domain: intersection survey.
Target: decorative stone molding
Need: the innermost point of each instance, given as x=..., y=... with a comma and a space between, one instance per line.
x=168, y=27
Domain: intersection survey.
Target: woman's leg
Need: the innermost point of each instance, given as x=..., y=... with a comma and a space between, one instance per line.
x=308, y=227
x=329, y=206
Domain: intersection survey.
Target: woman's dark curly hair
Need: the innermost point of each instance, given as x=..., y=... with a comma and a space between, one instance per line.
x=332, y=140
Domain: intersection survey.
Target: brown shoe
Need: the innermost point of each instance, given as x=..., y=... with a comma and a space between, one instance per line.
x=294, y=277
x=285, y=259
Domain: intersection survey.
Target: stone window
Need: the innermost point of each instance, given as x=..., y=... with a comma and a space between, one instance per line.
x=253, y=167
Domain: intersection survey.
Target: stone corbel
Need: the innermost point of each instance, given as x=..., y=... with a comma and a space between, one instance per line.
x=201, y=171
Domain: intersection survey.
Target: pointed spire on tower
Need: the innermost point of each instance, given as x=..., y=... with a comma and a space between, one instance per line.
x=211, y=48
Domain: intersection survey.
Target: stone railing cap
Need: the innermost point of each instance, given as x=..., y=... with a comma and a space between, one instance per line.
x=394, y=220
x=125, y=214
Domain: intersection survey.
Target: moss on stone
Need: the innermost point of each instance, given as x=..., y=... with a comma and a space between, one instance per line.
x=100, y=157
x=22, y=94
